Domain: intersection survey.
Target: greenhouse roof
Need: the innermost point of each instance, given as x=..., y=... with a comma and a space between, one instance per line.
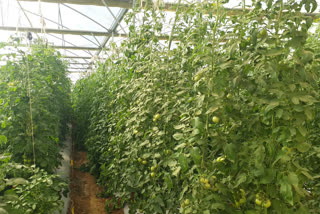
x=80, y=29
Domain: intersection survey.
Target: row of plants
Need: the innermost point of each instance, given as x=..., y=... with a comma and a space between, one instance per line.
x=27, y=189
x=36, y=106
x=35, y=109
x=221, y=118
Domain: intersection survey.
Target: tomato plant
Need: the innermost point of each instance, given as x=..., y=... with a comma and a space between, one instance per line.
x=35, y=108
x=43, y=72
x=227, y=109
x=25, y=189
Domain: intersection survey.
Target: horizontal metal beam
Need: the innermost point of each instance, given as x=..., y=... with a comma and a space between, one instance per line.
x=64, y=47
x=76, y=72
x=111, y=3
x=77, y=68
x=128, y=4
x=56, y=31
x=76, y=48
x=71, y=32
x=66, y=57
x=78, y=63
x=77, y=57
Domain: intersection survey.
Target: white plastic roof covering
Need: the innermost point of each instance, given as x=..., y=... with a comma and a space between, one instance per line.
x=62, y=16
x=24, y=13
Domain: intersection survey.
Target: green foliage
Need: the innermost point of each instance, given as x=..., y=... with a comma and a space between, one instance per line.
x=83, y=93
x=222, y=118
x=50, y=104
x=26, y=189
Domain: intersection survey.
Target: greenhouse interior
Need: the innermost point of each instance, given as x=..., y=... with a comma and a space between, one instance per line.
x=159, y=107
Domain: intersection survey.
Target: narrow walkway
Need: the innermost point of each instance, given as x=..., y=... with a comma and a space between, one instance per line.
x=64, y=169
x=84, y=190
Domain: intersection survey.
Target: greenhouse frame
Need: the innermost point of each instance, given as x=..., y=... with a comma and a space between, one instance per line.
x=160, y=106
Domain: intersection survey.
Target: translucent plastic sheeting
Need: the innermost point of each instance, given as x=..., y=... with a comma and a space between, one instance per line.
x=79, y=17
x=59, y=16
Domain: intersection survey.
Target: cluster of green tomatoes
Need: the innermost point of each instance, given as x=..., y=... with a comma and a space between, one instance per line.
x=262, y=200
x=240, y=198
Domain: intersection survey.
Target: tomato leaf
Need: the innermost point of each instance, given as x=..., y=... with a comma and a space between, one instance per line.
x=176, y=171
x=230, y=151
x=295, y=100
x=3, y=139
x=178, y=136
x=268, y=177
x=183, y=161
x=240, y=179
x=3, y=211
x=286, y=191
x=303, y=131
x=168, y=181
x=271, y=106
x=293, y=178
x=196, y=155
x=303, y=147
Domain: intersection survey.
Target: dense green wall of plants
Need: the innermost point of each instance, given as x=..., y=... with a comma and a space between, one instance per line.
x=27, y=189
x=83, y=94
x=50, y=104
x=29, y=157
x=222, y=118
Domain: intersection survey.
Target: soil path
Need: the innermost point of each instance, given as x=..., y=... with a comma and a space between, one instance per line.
x=84, y=190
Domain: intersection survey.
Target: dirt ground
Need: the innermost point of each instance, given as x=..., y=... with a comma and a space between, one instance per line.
x=84, y=189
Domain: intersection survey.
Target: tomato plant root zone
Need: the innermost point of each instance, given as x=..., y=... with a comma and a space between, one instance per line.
x=84, y=190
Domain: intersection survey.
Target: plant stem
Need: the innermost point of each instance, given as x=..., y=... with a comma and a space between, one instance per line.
x=174, y=25
x=30, y=109
x=204, y=147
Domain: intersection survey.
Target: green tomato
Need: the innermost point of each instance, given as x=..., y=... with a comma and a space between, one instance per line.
x=187, y=202
x=242, y=200
x=263, y=33
x=286, y=149
x=202, y=180
x=243, y=193
x=140, y=160
x=152, y=174
x=258, y=202
x=208, y=186
x=266, y=203
x=152, y=168
x=197, y=77
x=156, y=117
x=144, y=162
x=221, y=159
x=229, y=96
x=215, y=119
x=237, y=204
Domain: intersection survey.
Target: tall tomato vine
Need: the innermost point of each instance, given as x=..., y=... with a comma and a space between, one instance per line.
x=222, y=121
